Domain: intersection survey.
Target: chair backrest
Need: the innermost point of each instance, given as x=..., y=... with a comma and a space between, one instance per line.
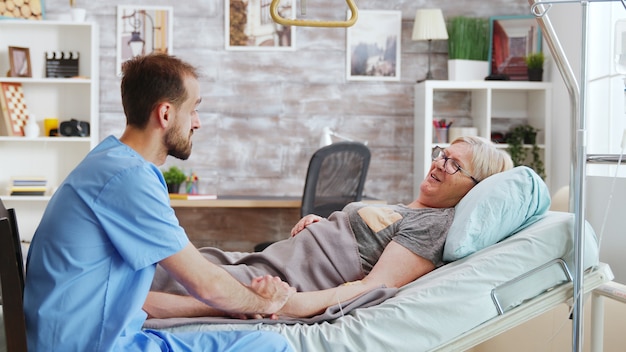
x=12, y=281
x=335, y=177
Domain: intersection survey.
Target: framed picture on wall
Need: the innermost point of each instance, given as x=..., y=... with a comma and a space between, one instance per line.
x=29, y=10
x=249, y=26
x=373, y=46
x=142, y=30
x=512, y=39
x=19, y=60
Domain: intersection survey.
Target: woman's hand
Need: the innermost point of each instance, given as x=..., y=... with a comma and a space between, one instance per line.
x=304, y=222
x=276, y=291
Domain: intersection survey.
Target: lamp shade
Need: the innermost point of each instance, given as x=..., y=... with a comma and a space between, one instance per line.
x=429, y=25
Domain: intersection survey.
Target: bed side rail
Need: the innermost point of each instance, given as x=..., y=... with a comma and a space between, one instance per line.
x=544, y=278
x=525, y=312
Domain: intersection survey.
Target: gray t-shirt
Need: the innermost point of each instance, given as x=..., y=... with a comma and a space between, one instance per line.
x=422, y=231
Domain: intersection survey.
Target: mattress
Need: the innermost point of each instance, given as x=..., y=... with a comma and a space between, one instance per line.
x=442, y=305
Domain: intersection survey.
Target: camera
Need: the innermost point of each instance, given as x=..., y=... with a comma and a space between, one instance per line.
x=74, y=128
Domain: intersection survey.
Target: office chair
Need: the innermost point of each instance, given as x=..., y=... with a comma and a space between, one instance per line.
x=12, y=281
x=335, y=177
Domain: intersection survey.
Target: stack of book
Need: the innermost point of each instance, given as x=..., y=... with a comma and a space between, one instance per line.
x=28, y=186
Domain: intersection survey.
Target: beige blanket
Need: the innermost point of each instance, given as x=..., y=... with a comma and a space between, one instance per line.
x=323, y=255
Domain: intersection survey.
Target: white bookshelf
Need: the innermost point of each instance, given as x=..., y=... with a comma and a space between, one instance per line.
x=62, y=98
x=493, y=104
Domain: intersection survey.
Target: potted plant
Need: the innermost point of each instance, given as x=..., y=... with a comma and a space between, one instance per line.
x=518, y=139
x=77, y=13
x=468, y=48
x=534, y=62
x=174, y=177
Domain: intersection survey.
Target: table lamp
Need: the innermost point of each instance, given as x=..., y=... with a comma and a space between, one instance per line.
x=326, y=139
x=429, y=25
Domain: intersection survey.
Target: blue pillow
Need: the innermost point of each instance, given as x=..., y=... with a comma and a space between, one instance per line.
x=494, y=209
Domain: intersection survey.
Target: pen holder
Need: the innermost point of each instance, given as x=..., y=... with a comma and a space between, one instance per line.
x=440, y=135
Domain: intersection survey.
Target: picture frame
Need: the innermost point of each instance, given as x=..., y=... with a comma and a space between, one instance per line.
x=28, y=10
x=373, y=46
x=19, y=62
x=512, y=38
x=13, y=109
x=142, y=30
x=248, y=25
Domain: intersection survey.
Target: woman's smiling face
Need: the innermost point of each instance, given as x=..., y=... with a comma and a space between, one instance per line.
x=442, y=190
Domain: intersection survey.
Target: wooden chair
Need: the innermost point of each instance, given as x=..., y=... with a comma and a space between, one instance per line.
x=12, y=281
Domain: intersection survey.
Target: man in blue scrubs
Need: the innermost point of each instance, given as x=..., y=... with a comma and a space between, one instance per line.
x=93, y=256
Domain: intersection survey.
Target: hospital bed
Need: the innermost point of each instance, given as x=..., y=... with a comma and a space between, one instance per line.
x=466, y=301
x=452, y=308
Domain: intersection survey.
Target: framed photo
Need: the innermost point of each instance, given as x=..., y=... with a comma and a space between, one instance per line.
x=29, y=10
x=19, y=60
x=373, y=46
x=142, y=30
x=13, y=110
x=249, y=26
x=512, y=39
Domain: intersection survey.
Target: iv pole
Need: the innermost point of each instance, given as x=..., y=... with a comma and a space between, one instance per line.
x=578, y=99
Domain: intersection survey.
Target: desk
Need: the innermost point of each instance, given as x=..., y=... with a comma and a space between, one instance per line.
x=240, y=202
x=238, y=223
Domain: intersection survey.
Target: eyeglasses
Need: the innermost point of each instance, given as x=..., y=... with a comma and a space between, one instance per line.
x=450, y=166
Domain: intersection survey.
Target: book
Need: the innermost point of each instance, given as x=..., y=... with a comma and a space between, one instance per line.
x=27, y=191
x=29, y=181
x=185, y=196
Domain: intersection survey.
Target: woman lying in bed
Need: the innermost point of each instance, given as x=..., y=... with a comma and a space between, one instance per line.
x=355, y=250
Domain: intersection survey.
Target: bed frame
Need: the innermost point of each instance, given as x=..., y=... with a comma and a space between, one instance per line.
x=451, y=308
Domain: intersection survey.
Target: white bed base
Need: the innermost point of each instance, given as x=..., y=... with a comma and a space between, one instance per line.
x=594, y=282
x=613, y=290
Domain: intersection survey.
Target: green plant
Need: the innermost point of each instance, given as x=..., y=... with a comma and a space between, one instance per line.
x=468, y=38
x=174, y=176
x=516, y=139
x=535, y=60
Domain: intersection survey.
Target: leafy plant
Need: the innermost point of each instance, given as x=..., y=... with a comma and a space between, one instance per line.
x=535, y=60
x=174, y=176
x=516, y=140
x=468, y=38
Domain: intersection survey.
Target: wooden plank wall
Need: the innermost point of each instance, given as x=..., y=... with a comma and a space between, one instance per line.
x=263, y=111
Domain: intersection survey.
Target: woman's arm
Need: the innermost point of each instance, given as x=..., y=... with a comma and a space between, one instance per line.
x=396, y=267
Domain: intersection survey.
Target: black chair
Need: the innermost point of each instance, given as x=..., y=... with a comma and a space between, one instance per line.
x=335, y=177
x=12, y=281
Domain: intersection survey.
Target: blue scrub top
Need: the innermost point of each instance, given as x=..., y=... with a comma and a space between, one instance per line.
x=93, y=256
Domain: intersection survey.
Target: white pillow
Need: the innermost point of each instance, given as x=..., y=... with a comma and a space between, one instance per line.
x=494, y=209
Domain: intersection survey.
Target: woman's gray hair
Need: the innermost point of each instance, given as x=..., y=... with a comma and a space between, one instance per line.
x=486, y=158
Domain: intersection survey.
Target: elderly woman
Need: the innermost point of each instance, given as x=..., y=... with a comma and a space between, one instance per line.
x=358, y=249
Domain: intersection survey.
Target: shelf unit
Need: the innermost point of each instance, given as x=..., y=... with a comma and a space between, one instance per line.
x=62, y=98
x=494, y=106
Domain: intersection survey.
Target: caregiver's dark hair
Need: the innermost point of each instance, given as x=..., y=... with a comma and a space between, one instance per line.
x=152, y=79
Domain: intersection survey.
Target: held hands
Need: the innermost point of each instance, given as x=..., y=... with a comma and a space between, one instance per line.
x=304, y=222
x=276, y=291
